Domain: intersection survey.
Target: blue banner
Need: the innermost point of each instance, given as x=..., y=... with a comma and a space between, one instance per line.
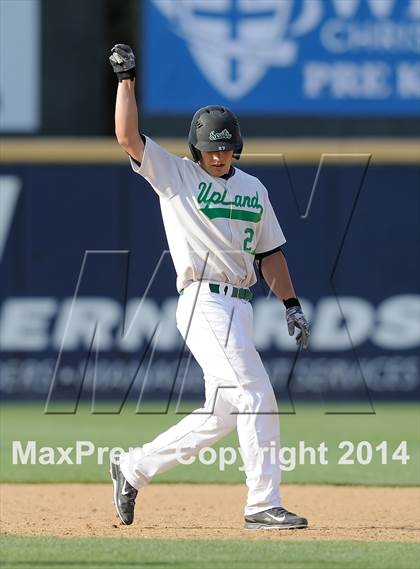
x=283, y=57
x=84, y=260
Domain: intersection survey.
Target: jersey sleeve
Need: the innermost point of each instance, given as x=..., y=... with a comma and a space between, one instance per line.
x=271, y=236
x=163, y=170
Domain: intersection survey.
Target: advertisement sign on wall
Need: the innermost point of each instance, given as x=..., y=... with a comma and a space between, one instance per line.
x=20, y=37
x=344, y=57
x=87, y=293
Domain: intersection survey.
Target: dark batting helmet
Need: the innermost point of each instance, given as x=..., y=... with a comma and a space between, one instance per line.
x=215, y=128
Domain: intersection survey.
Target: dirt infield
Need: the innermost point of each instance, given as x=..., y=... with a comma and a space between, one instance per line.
x=209, y=511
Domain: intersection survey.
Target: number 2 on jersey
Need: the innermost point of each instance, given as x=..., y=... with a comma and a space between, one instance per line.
x=247, y=241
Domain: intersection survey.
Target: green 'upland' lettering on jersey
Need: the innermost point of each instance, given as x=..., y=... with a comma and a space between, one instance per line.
x=234, y=210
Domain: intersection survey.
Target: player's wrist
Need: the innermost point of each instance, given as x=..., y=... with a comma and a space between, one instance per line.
x=290, y=302
x=130, y=75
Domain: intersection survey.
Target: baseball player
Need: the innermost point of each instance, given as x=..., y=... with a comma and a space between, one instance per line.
x=218, y=221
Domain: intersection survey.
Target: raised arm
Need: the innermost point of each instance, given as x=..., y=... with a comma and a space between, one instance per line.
x=126, y=116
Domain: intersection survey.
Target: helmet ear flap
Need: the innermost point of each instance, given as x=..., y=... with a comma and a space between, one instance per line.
x=196, y=154
x=238, y=152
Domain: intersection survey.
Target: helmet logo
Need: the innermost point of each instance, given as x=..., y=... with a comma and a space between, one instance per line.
x=224, y=134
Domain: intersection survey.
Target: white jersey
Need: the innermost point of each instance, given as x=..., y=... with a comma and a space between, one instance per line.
x=214, y=226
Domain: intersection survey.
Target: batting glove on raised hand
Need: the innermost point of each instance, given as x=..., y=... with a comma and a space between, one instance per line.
x=123, y=61
x=296, y=319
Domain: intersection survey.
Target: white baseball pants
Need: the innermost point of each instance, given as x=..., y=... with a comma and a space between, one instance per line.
x=218, y=330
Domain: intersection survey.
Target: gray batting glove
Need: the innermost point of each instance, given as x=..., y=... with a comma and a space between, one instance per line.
x=123, y=61
x=296, y=319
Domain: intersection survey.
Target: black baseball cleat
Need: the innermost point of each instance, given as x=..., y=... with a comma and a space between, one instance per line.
x=275, y=518
x=124, y=495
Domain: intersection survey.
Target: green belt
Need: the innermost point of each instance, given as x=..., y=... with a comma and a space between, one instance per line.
x=242, y=293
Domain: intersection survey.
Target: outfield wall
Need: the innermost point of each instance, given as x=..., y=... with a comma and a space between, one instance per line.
x=82, y=241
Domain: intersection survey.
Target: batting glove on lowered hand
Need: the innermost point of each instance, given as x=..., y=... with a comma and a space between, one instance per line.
x=123, y=61
x=296, y=319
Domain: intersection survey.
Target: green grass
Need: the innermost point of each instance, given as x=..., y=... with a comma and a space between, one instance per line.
x=31, y=552
x=391, y=423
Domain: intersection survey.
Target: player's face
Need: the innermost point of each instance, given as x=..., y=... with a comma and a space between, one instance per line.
x=216, y=163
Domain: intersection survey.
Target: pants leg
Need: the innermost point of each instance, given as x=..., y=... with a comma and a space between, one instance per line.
x=220, y=336
x=202, y=428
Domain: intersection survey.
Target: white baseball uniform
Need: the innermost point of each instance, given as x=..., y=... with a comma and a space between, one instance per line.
x=215, y=227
